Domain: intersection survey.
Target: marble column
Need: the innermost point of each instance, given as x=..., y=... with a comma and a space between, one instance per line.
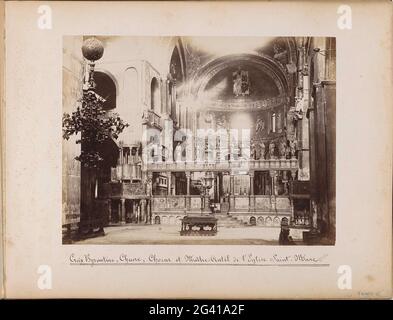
x=134, y=211
x=206, y=205
x=173, y=104
x=109, y=211
x=188, y=177
x=217, y=187
x=149, y=181
x=123, y=211
x=148, y=211
x=167, y=101
x=293, y=174
x=121, y=154
x=162, y=94
x=144, y=211
x=138, y=208
x=119, y=212
x=273, y=193
x=188, y=197
x=231, y=192
x=169, y=183
x=252, y=196
x=273, y=176
x=174, y=184
x=251, y=174
x=285, y=181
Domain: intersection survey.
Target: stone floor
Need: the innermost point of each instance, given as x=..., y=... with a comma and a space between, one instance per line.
x=170, y=234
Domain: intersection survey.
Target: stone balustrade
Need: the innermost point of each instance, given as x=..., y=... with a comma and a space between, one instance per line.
x=234, y=165
x=265, y=210
x=176, y=203
x=116, y=190
x=126, y=172
x=264, y=104
x=152, y=119
x=261, y=203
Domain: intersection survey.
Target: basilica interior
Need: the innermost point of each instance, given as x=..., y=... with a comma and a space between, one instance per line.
x=242, y=128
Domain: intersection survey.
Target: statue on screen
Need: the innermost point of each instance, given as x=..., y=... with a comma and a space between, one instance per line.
x=272, y=150
x=260, y=125
x=262, y=150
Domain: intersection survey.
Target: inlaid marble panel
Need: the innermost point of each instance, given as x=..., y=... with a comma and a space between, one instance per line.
x=159, y=203
x=176, y=203
x=262, y=203
x=195, y=203
x=283, y=204
x=242, y=203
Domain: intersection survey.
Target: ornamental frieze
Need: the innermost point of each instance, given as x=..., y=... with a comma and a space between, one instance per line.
x=264, y=104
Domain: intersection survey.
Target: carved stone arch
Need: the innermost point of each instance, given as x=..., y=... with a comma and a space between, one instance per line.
x=107, y=86
x=110, y=75
x=292, y=49
x=178, y=49
x=155, y=99
x=264, y=63
x=131, y=86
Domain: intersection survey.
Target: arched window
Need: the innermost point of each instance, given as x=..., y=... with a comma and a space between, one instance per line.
x=131, y=90
x=106, y=88
x=155, y=95
x=176, y=66
x=176, y=71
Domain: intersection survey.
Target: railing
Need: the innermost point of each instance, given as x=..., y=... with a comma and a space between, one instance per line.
x=123, y=190
x=261, y=203
x=176, y=203
x=234, y=165
x=126, y=172
x=272, y=203
x=244, y=105
x=151, y=118
x=264, y=210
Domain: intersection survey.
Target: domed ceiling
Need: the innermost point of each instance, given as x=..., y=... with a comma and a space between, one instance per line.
x=200, y=51
x=256, y=84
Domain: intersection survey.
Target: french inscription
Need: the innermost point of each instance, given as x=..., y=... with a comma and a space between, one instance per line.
x=195, y=259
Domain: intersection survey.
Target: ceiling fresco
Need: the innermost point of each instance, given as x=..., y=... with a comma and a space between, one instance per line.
x=256, y=85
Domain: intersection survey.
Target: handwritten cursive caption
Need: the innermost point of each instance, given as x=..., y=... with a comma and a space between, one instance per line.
x=248, y=259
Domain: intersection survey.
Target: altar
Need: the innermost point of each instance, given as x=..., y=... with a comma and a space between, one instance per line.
x=205, y=225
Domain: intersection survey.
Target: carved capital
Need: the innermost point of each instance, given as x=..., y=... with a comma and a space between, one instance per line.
x=273, y=173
